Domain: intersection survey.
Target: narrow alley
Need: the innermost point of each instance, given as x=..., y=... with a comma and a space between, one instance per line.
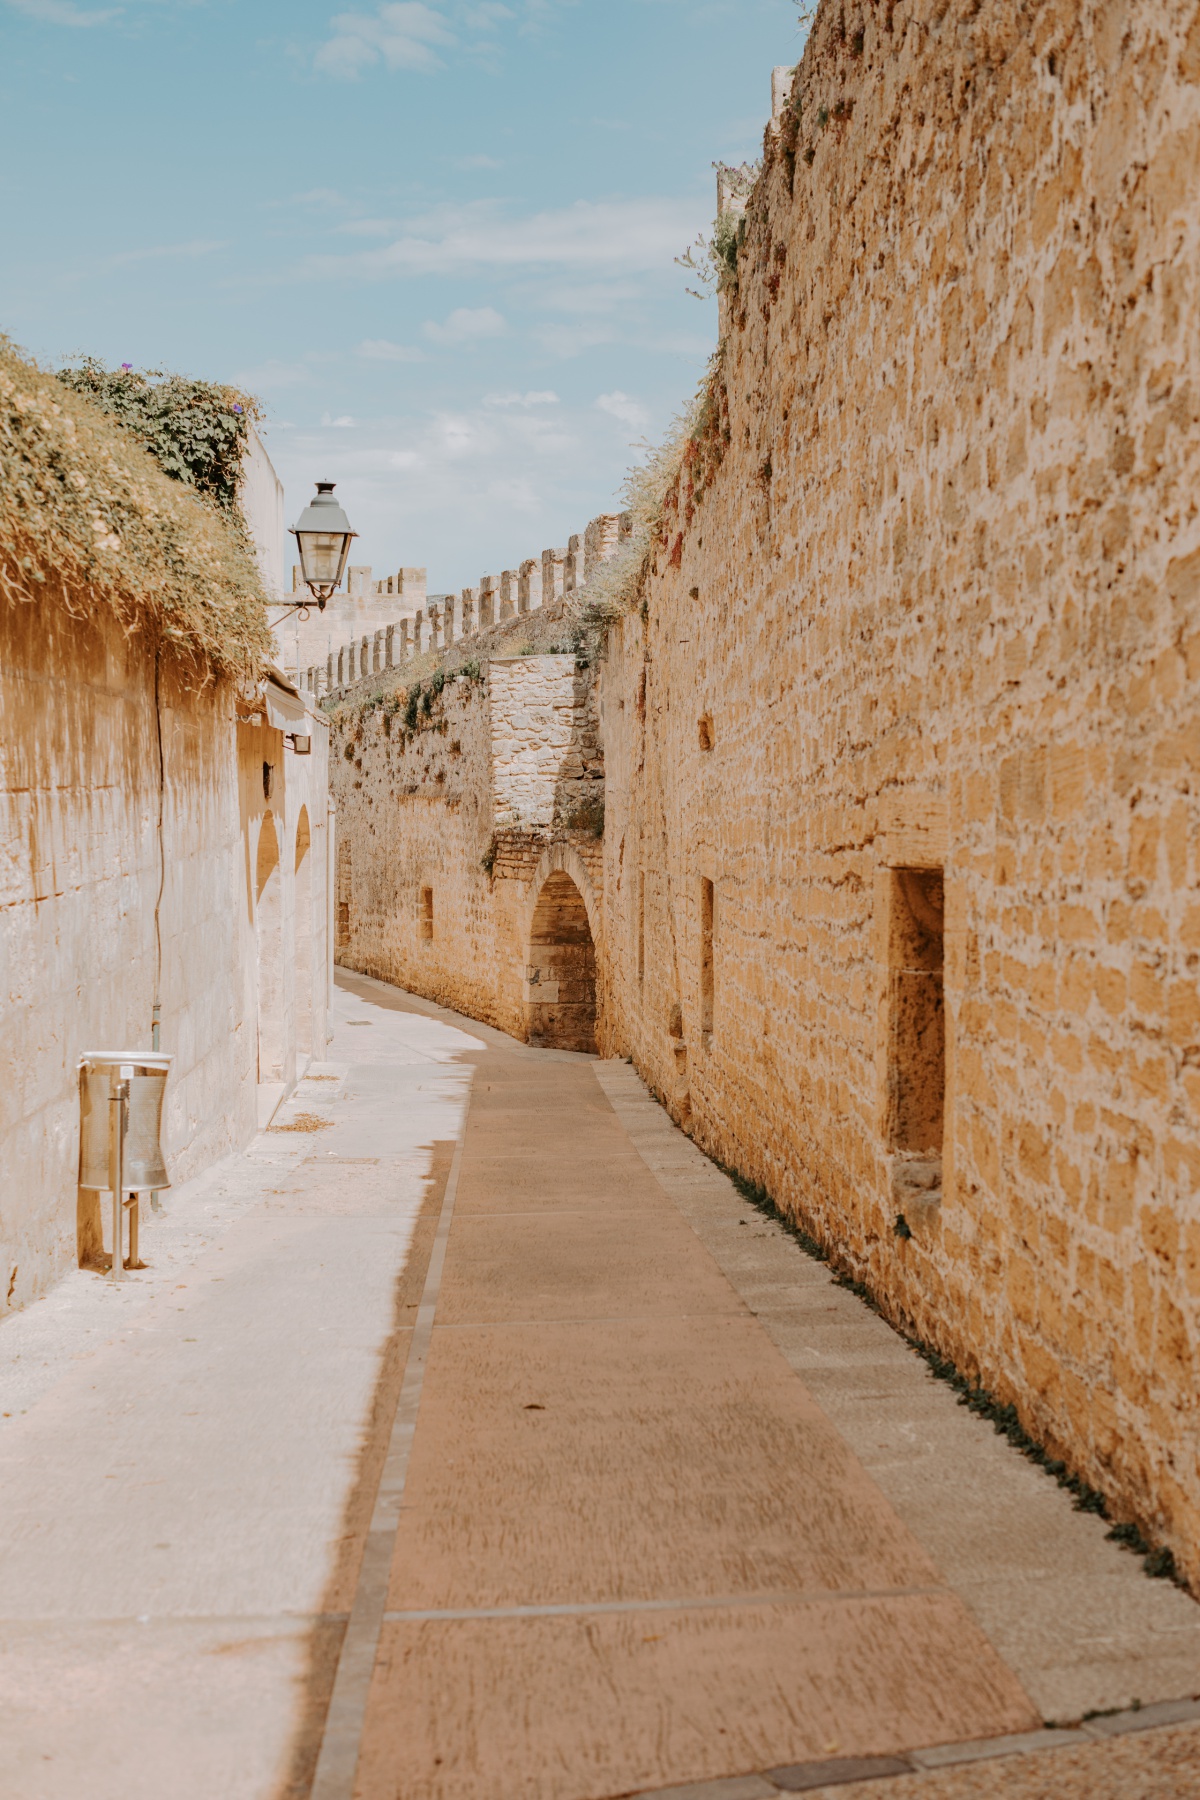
x=470, y=1437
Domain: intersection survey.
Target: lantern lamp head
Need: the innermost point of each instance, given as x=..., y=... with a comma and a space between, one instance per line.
x=323, y=537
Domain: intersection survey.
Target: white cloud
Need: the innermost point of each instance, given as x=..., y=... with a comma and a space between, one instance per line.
x=461, y=489
x=401, y=36
x=62, y=12
x=573, y=340
x=344, y=423
x=482, y=161
x=606, y=235
x=466, y=325
x=487, y=16
x=381, y=350
x=630, y=412
x=318, y=196
x=593, y=297
x=367, y=228
x=539, y=398
x=198, y=247
x=272, y=374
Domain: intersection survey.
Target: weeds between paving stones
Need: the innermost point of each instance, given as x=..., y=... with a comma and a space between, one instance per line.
x=1157, y=1560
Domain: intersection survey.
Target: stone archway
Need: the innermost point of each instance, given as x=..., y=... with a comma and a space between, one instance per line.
x=560, y=973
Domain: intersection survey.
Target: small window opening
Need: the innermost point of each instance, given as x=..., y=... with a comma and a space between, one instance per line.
x=917, y=1048
x=707, y=919
x=707, y=740
x=427, y=914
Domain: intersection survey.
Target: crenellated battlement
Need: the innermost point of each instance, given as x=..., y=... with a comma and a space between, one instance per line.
x=538, y=584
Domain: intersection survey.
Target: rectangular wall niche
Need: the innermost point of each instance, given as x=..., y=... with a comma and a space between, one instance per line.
x=427, y=914
x=707, y=909
x=917, y=1020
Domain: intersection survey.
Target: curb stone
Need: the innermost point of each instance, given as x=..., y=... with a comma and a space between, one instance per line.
x=799, y=1778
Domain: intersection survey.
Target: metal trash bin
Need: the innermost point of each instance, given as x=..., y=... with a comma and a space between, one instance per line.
x=120, y=1137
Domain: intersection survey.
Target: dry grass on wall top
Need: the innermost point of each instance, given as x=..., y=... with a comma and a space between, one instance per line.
x=85, y=514
x=651, y=495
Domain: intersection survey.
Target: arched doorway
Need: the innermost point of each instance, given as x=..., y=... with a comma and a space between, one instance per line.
x=560, y=977
x=268, y=920
x=304, y=936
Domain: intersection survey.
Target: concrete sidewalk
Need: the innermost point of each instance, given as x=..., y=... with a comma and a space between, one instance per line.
x=475, y=1441
x=180, y=1455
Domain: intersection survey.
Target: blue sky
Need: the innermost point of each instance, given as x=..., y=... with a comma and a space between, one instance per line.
x=436, y=239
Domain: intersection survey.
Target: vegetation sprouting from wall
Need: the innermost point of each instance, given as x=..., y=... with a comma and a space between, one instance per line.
x=196, y=431
x=713, y=261
x=87, y=517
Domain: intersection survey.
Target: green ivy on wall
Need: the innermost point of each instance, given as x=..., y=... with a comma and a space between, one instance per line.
x=196, y=431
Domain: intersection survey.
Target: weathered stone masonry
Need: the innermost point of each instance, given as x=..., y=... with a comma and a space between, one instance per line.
x=900, y=900
x=451, y=819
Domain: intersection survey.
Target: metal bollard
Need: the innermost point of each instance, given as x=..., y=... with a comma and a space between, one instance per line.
x=120, y=1148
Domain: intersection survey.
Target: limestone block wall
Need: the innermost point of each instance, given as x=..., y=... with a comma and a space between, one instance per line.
x=452, y=821
x=286, y=827
x=82, y=868
x=365, y=606
x=902, y=846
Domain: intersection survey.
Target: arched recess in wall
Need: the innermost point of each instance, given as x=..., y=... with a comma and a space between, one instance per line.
x=560, y=974
x=304, y=935
x=268, y=922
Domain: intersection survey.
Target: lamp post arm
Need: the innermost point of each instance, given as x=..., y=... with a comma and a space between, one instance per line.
x=299, y=606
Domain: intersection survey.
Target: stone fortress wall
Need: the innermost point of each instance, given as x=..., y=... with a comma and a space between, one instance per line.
x=898, y=903
x=363, y=606
x=446, y=619
x=455, y=806
x=902, y=764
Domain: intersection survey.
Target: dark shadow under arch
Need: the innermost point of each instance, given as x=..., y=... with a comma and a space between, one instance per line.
x=560, y=976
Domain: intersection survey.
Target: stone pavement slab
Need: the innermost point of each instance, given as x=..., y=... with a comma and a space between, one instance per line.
x=630, y=1549
x=584, y=1498
x=1071, y=1613
x=602, y=1703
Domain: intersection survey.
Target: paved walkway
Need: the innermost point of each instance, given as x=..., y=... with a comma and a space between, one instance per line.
x=475, y=1442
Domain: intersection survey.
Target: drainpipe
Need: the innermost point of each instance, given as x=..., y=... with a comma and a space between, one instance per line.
x=155, y=1044
x=156, y=1010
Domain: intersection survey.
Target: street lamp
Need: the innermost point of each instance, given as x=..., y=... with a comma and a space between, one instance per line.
x=323, y=537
